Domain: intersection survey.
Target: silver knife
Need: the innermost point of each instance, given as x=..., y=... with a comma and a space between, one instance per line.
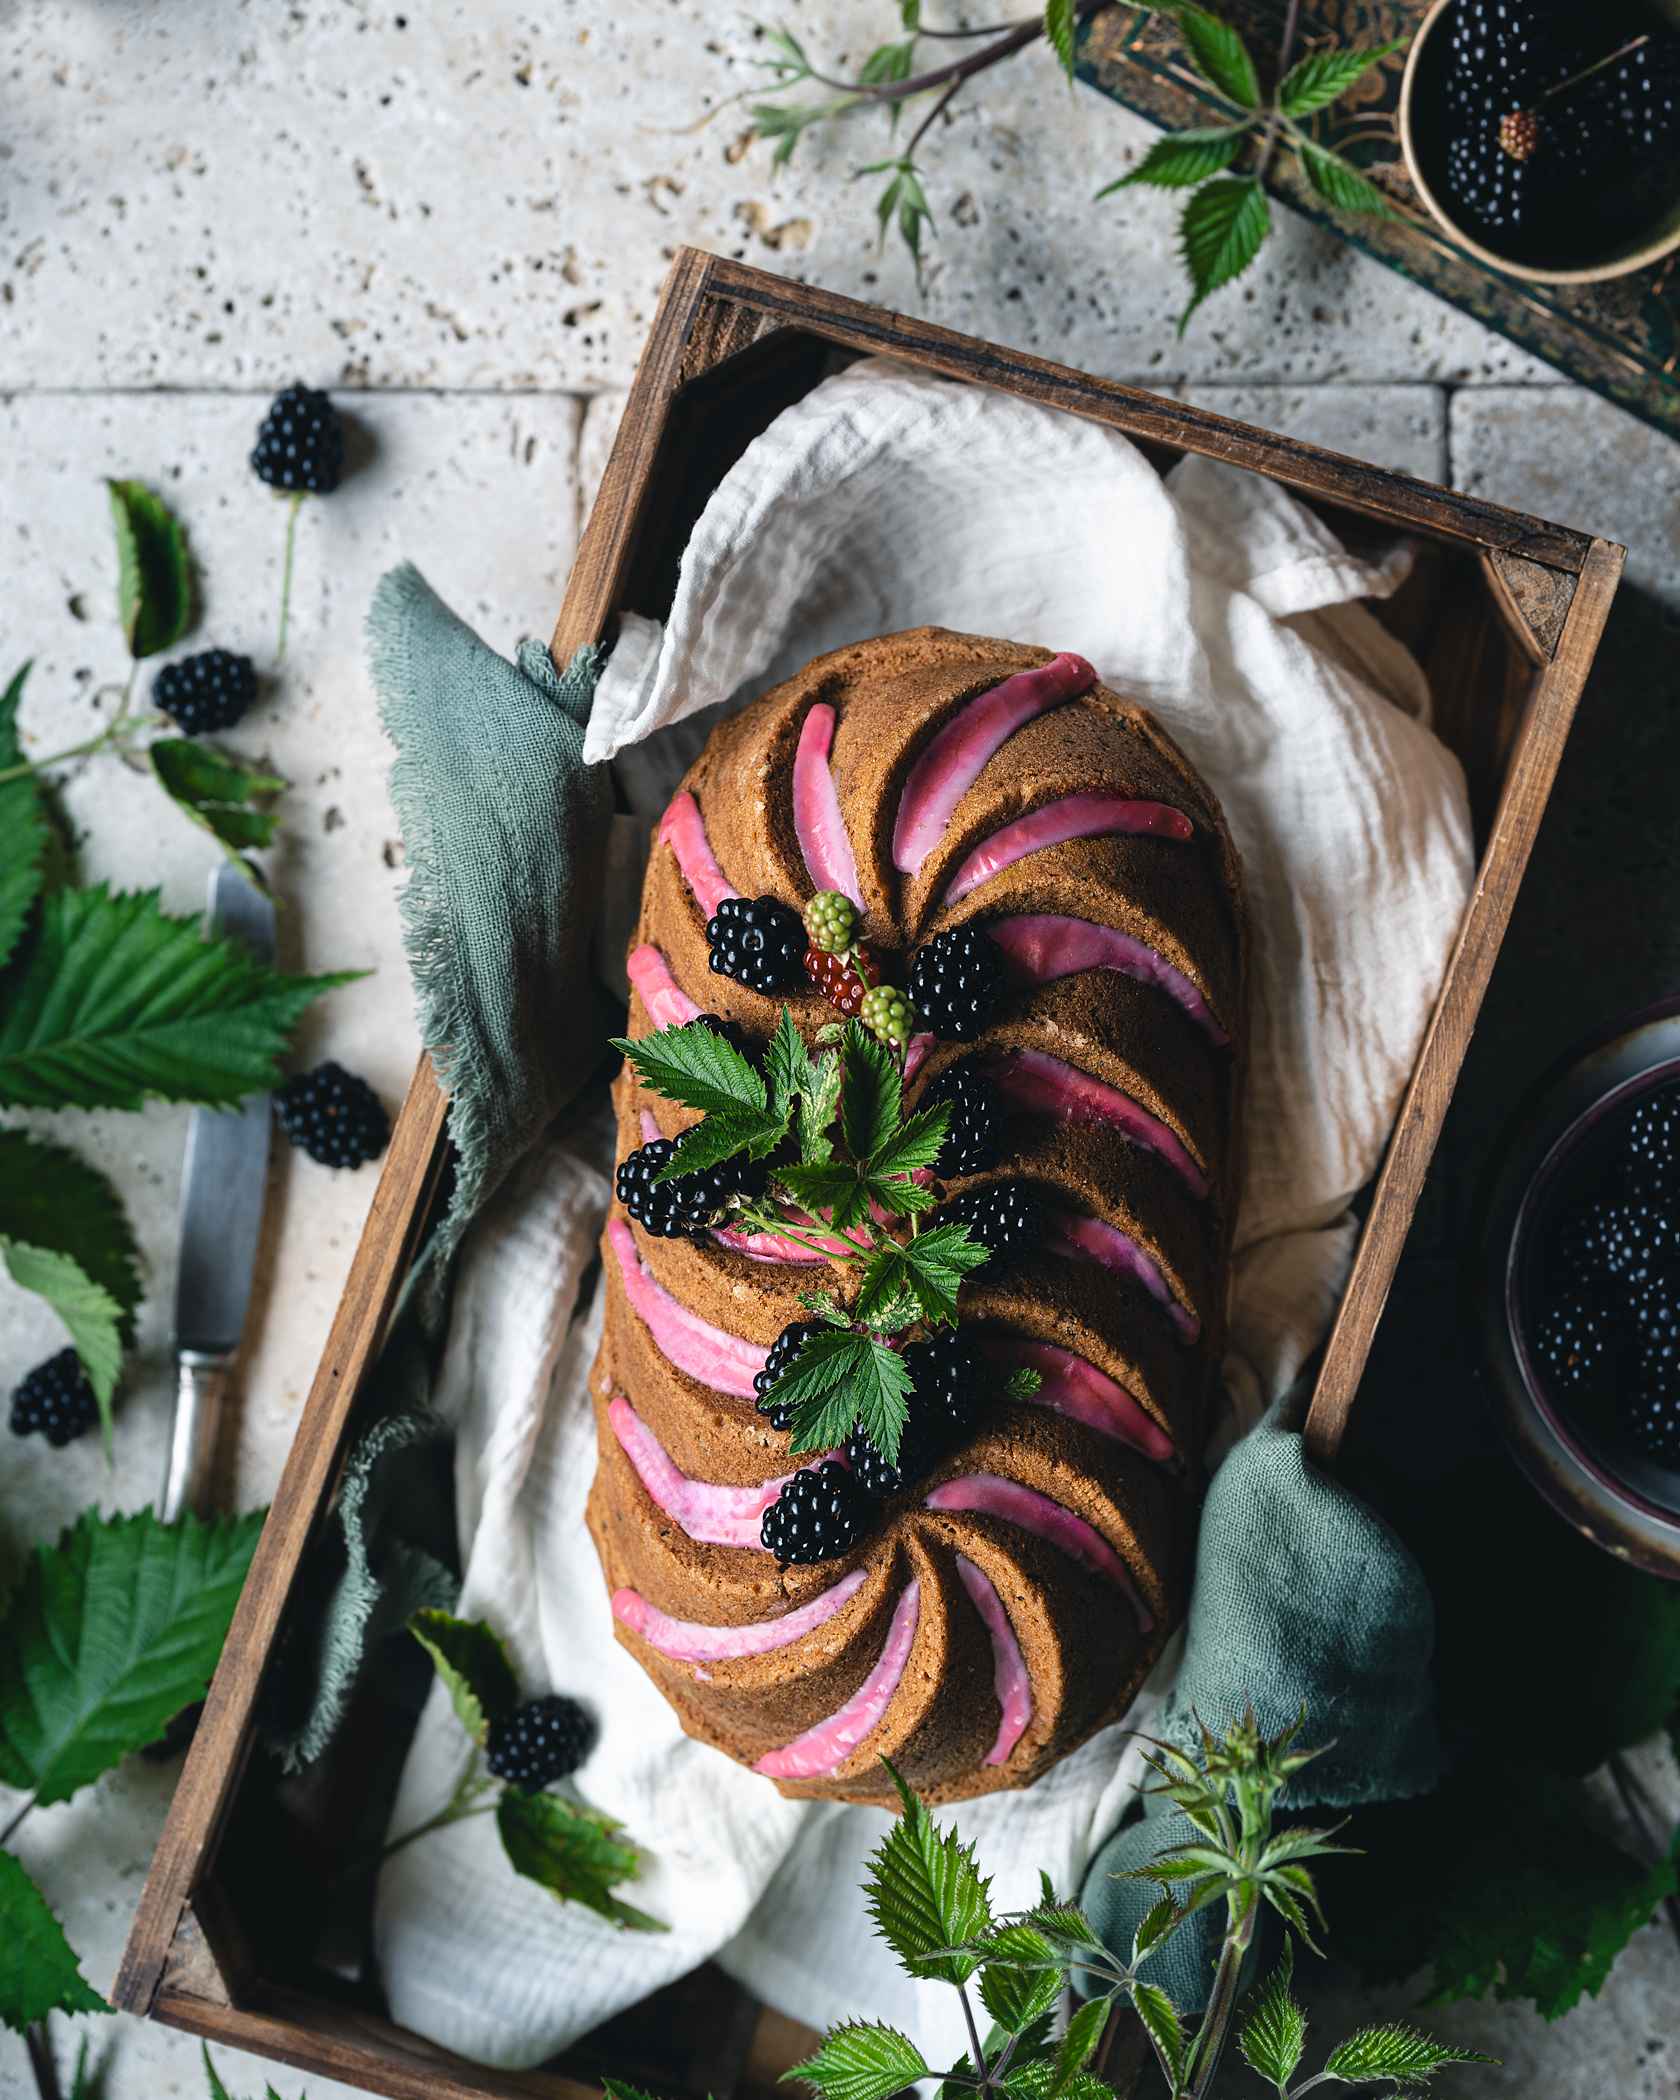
x=223, y=1180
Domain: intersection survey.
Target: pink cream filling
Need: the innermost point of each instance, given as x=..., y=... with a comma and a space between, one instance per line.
x=1078, y=1390
x=1010, y=1680
x=1036, y=1083
x=993, y=1496
x=915, y=1054
x=955, y=759
x=683, y=829
x=668, y=1005
x=1041, y=946
x=711, y=1515
x=725, y=1362
x=826, y=1747
x=686, y=1640
x=1096, y=814
x=1076, y=1237
x=829, y=860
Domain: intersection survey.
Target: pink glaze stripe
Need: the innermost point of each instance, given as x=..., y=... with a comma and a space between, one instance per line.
x=826, y=1747
x=1096, y=814
x=768, y=1247
x=651, y=1131
x=955, y=759
x=1078, y=1390
x=668, y=1005
x=1010, y=1679
x=686, y=1640
x=713, y=1516
x=829, y=860
x=1038, y=1084
x=725, y=1362
x=683, y=829
x=1041, y=946
x=916, y=1054
x=990, y=1495
x=1076, y=1237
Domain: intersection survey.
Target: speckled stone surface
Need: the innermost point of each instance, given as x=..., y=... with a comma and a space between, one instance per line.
x=459, y=216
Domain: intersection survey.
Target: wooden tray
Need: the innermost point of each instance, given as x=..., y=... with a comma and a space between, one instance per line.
x=238, y=1936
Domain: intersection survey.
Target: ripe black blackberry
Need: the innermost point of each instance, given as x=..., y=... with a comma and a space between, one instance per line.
x=971, y=1136
x=817, y=1516
x=733, y=1033
x=759, y=943
x=334, y=1116
x=1005, y=1217
x=56, y=1399
x=206, y=692
x=1576, y=1342
x=1630, y=1241
x=1653, y=1145
x=540, y=1742
x=783, y=1350
x=956, y=983
x=1653, y=1419
x=948, y=1381
x=300, y=446
x=688, y=1204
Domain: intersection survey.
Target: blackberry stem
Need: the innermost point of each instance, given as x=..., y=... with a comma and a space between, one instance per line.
x=109, y=735
x=286, y=574
x=1587, y=72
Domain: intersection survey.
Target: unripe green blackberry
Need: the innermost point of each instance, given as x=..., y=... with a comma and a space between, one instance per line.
x=888, y=1014
x=831, y=921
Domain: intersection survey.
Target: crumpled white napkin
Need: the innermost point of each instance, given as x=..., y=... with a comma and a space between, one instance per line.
x=887, y=500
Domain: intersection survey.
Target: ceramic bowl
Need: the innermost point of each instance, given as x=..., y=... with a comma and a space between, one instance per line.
x=1423, y=139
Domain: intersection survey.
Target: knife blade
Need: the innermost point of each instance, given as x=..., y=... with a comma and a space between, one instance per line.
x=224, y=1177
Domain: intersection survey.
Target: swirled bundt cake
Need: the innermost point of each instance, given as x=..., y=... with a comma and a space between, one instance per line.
x=976, y=845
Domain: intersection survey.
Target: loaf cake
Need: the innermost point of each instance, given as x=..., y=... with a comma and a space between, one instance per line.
x=1044, y=916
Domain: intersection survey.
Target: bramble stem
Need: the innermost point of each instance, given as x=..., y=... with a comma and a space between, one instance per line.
x=286, y=575
x=1286, y=51
x=979, y=2054
x=17, y=1819
x=959, y=69
x=41, y=2060
x=1587, y=72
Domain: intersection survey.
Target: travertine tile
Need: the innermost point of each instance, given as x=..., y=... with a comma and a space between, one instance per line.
x=1402, y=428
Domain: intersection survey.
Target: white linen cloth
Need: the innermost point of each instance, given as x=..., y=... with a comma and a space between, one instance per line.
x=886, y=500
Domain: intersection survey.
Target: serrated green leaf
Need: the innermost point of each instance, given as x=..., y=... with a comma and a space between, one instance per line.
x=833, y=1190
x=474, y=1666
x=115, y=1000
x=1030, y=2081
x=1084, y=2031
x=786, y=123
x=1022, y=1383
x=620, y=2091
x=913, y=1146
x=847, y=1379
x=107, y=1635
x=816, y=1110
x=935, y=1263
x=721, y=1135
x=39, y=1972
x=925, y=1893
x=51, y=1198
x=1399, y=2053
x=154, y=580
x=1187, y=157
x=861, y=2062
x=1158, y=1924
x=1059, y=25
x=91, y=1315
x=693, y=1065
x=910, y=15
x=888, y=63
x=788, y=1070
x=1339, y=183
x=216, y=792
x=1323, y=77
x=1219, y=232
x=1219, y=55
x=903, y=199
x=1273, y=2035
x=1155, y=2010
x=23, y=827
x=826, y=1306
x=218, y=2091
x=870, y=1094
x=574, y=1852
x=1064, y=1923
x=1017, y=1996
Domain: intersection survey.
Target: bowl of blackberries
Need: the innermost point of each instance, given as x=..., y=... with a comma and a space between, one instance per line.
x=1578, y=1287
x=1546, y=138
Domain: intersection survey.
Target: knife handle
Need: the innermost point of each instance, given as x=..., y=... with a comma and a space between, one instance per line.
x=200, y=1382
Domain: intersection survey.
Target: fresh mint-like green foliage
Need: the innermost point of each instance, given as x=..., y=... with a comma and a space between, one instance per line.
x=1059, y=25
x=1219, y=234
x=216, y=792
x=1323, y=77
x=871, y=1094
x=154, y=579
x=862, y=2062
x=39, y=1972
x=23, y=827
x=1339, y=183
x=1393, y=2054
x=214, y=2086
x=1183, y=158
x=1219, y=54
x=574, y=1852
x=926, y=1895
x=1021, y=1383
x=698, y=1067
x=51, y=1198
x=839, y=1378
x=107, y=1635
x=1275, y=2032
x=474, y=1667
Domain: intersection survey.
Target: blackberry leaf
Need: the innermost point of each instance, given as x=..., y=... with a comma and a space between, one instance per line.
x=816, y=1110
x=39, y=1972
x=1220, y=56
x=1398, y=2053
x=935, y=1263
x=1220, y=233
x=90, y=1314
x=1340, y=184
x=697, y=1067
x=1323, y=77
x=474, y=1667
x=1058, y=31
x=216, y=792
x=154, y=581
x=574, y=1852
x=838, y=1379
x=1155, y=2009
x=50, y=1198
x=862, y=2062
x=1274, y=2034
x=834, y=1188
x=721, y=1136
x=788, y=1070
x=1084, y=2031
x=1188, y=157
x=926, y=1895
x=915, y=1144
x=1016, y=1997
x=869, y=1093
x=23, y=827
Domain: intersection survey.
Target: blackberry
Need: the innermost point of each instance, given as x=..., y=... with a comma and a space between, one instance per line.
x=971, y=1136
x=759, y=943
x=831, y=921
x=1576, y=1344
x=206, y=692
x=1630, y=1241
x=1653, y=1144
x=1005, y=1217
x=539, y=1742
x=56, y=1399
x=956, y=983
x=886, y=1012
x=1653, y=1410
x=783, y=1350
x=688, y=1204
x=817, y=1516
x=732, y=1033
x=948, y=1379
x=334, y=1116
x=300, y=446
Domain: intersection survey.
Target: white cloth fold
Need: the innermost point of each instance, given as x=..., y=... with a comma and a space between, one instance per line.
x=887, y=500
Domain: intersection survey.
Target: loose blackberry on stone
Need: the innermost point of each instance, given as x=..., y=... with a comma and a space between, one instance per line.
x=759, y=943
x=783, y=1350
x=334, y=1116
x=206, y=692
x=819, y=1515
x=971, y=1136
x=300, y=447
x=956, y=983
x=539, y=1742
x=56, y=1399
x=1006, y=1218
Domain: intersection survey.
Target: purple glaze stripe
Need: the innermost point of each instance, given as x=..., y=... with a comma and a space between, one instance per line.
x=1077, y=1389
x=826, y=1747
x=726, y=1362
x=668, y=1005
x=686, y=1640
x=683, y=829
x=1042, y=946
x=955, y=759
x=1009, y=1670
x=1039, y=1084
x=755, y=1246
x=1095, y=814
x=1076, y=1237
x=711, y=1515
x=829, y=860
x=990, y=1495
